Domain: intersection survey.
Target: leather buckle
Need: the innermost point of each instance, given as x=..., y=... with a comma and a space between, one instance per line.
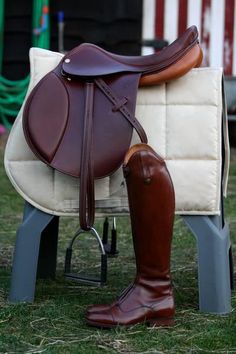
x=86, y=279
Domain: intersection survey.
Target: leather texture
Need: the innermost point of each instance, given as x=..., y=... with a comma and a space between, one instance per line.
x=91, y=84
x=152, y=205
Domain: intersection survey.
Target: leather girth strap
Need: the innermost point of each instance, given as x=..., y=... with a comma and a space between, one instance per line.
x=87, y=199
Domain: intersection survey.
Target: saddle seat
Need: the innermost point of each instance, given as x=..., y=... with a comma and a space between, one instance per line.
x=89, y=60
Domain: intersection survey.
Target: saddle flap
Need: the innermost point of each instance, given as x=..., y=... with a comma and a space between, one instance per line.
x=45, y=117
x=53, y=123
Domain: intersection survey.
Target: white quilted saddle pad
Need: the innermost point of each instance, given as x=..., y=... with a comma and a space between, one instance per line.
x=183, y=122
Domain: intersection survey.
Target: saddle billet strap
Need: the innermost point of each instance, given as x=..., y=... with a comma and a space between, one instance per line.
x=122, y=108
x=86, y=198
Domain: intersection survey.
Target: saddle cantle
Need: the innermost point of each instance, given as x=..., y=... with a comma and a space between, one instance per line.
x=79, y=118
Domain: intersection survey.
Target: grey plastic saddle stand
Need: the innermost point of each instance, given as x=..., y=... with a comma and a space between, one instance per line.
x=213, y=242
x=35, y=253
x=36, y=248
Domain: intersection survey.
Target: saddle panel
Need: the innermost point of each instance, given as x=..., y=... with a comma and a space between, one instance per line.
x=46, y=116
x=89, y=60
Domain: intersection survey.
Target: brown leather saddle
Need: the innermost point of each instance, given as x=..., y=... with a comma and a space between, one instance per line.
x=80, y=117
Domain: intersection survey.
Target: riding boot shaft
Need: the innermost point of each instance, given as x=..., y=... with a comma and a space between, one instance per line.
x=151, y=202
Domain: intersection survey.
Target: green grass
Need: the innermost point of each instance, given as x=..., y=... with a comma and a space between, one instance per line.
x=55, y=322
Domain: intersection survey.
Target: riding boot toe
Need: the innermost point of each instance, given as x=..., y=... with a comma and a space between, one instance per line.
x=97, y=308
x=102, y=319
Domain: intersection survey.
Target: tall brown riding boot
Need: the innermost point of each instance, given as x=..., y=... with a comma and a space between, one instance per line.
x=151, y=200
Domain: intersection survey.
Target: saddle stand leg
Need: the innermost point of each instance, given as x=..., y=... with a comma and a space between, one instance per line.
x=105, y=231
x=47, y=261
x=110, y=247
x=213, y=243
x=26, y=254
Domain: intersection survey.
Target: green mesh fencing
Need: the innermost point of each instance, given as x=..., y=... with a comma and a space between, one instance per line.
x=12, y=93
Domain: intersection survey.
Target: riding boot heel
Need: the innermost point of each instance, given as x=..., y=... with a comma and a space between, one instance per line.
x=161, y=322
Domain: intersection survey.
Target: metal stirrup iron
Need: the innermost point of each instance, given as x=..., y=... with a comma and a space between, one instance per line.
x=86, y=279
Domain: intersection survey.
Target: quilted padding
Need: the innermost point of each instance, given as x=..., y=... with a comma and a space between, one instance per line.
x=183, y=122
